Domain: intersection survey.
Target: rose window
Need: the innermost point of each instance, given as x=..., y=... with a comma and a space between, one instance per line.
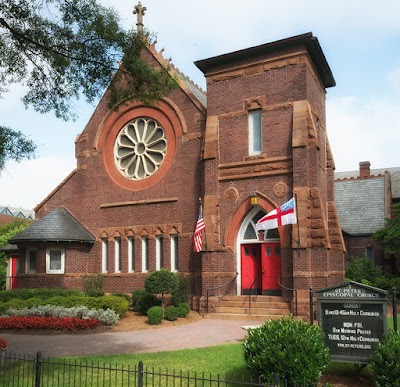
x=140, y=148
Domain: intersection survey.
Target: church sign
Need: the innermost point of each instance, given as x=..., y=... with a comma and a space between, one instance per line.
x=354, y=320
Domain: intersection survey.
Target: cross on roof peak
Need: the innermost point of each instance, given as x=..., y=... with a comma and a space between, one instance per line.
x=139, y=11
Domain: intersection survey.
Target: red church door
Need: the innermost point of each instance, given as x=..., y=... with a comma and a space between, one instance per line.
x=271, y=268
x=14, y=279
x=251, y=268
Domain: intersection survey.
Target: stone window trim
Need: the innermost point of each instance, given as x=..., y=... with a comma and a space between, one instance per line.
x=55, y=260
x=254, y=103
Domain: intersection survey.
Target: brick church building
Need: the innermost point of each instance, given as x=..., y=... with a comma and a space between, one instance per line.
x=254, y=140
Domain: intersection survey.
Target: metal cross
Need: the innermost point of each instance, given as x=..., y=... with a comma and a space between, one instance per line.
x=139, y=10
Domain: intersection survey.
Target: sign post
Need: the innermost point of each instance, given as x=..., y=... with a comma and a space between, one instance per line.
x=353, y=317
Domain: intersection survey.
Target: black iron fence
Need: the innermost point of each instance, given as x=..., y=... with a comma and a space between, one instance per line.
x=37, y=371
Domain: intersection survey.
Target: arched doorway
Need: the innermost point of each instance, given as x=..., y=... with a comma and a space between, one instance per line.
x=258, y=262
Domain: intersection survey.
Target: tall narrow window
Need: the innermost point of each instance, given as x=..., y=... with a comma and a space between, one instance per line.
x=131, y=254
x=255, y=132
x=174, y=253
x=118, y=253
x=145, y=254
x=159, y=252
x=104, y=255
x=30, y=266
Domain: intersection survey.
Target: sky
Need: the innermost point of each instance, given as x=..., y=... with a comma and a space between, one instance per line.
x=360, y=40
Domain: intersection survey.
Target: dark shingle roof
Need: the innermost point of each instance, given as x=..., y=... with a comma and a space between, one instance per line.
x=56, y=226
x=360, y=204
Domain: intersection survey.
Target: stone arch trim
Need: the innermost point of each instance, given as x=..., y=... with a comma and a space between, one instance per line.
x=238, y=217
x=165, y=112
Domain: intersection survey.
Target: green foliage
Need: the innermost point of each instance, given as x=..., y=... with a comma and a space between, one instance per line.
x=161, y=281
x=183, y=309
x=359, y=269
x=182, y=291
x=8, y=230
x=293, y=349
x=171, y=313
x=136, y=295
x=14, y=145
x=62, y=50
x=385, y=362
x=42, y=293
x=118, y=304
x=123, y=295
x=144, y=301
x=93, y=285
x=389, y=236
x=155, y=315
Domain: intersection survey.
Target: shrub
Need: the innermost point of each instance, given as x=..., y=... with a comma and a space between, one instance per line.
x=123, y=295
x=359, y=269
x=40, y=322
x=293, y=349
x=171, y=313
x=93, y=285
x=146, y=301
x=42, y=293
x=155, y=315
x=182, y=291
x=3, y=344
x=136, y=296
x=183, y=309
x=161, y=282
x=118, y=304
x=385, y=361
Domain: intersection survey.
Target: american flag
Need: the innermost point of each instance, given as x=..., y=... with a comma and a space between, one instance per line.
x=198, y=232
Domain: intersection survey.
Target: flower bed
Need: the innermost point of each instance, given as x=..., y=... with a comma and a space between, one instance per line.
x=41, y=322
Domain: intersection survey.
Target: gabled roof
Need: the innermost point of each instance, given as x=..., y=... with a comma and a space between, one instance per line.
x=56, y=226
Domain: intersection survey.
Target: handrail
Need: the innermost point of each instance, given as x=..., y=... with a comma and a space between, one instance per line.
x=251, y=287
x=219, y=287
x=293, y=290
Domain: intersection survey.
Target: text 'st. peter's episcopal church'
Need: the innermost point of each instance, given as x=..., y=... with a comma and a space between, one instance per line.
x=253, y=141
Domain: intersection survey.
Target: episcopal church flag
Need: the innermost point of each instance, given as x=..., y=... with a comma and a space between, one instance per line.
x=198, y=232
x=285, y=214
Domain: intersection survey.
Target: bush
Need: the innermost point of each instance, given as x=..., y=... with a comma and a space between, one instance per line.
x=118, y=304
x=145, y=301
x=161, y=282
x=136, y=296
x=359, y=269
x=183, y=309
x=93, y=285
x=182, y=291
x=293, y=349
x=385, y=361
x=123, y=295
x=171, y=313
x=42, y=293
x=155, y=315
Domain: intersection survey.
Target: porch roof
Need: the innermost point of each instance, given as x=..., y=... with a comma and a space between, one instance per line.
x=56, y=226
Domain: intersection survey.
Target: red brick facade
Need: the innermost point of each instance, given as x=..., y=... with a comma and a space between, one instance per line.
x=208, y=157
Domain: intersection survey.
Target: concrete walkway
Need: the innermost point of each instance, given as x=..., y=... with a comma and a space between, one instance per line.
x=202, y=333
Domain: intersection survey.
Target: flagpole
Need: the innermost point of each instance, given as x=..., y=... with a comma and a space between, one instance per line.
x=205, y=235
x=298, y=223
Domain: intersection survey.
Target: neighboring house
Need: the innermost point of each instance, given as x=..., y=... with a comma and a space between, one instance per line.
x=17, y=212
x=363, y=200
x=133, y=199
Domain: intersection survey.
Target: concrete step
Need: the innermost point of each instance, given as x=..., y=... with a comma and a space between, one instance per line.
x=258, y=304
x=258, y=298
x=245, y=317
x=261, y=311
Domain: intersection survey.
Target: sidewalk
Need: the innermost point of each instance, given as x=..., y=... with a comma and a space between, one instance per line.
x=202, y=333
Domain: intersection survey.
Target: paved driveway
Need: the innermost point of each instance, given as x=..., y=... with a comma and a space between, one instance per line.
x=202, y=333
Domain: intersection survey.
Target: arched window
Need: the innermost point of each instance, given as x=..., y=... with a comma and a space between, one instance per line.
x=250, y=233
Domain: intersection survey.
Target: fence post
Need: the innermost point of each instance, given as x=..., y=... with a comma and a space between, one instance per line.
x=394, y=309
x=140, y=374
x=311, y=307
x=38, y=373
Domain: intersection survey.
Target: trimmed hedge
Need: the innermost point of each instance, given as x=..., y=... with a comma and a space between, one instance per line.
x=24, y=294
x=155, y=315
x=171, y=313
x=183, y=309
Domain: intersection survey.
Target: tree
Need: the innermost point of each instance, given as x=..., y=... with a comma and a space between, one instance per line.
x=389, y=236
x=64, y=49
x=161, y=282
x=7, y=231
